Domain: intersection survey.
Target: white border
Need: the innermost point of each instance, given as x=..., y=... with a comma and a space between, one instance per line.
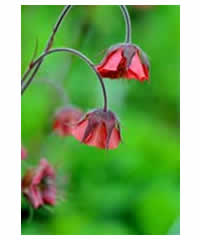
x=101, y=2
x=98, y=236
x=101, y=237
x=10, y=119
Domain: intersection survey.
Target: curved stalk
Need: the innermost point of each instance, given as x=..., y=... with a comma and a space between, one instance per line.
x=77, y=53
x=127, y=22
x=55, y=29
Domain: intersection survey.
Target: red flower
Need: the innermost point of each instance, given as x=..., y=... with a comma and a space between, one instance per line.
x=65, y=119
x=98, y=128
x=38, y=185
x=125, y=61
x=23, y=153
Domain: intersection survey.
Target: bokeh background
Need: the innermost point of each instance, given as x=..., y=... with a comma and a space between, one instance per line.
x=134, y=189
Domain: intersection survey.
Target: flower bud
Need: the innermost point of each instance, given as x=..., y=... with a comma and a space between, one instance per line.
x=65, y=119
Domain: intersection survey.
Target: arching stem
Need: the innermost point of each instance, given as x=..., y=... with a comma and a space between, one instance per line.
x=77, y=53
x=55, y=29
x=127, y=22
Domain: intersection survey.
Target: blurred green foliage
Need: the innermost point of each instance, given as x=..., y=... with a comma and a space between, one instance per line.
x=135, y=188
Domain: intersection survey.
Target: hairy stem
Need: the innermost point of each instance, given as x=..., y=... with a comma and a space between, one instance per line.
x=79, y=54
x=49, y=44
x=127, y=22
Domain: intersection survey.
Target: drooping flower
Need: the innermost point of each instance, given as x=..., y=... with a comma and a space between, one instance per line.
x=98, y=128
x=23, y=153
x=125, y=61
x=65, y=119
x=38, y=185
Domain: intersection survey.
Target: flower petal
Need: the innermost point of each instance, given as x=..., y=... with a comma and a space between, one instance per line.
x=115, y=139
x=49, y=195
x=98, y=137
x=34, y=196
x=44, y=170
x=111, y=61
x=136, y=69
x=79, y=131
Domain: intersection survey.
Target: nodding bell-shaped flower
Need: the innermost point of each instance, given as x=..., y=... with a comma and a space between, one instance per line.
x=125, y=61
x=38, y=185
x=65, y=119
x=98, y=128
x=23, y=153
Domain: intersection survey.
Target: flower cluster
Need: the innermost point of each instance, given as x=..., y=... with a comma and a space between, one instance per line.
x=98, y=128
x=39, y=186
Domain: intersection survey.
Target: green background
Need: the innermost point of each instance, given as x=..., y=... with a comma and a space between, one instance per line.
x=134, y=189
